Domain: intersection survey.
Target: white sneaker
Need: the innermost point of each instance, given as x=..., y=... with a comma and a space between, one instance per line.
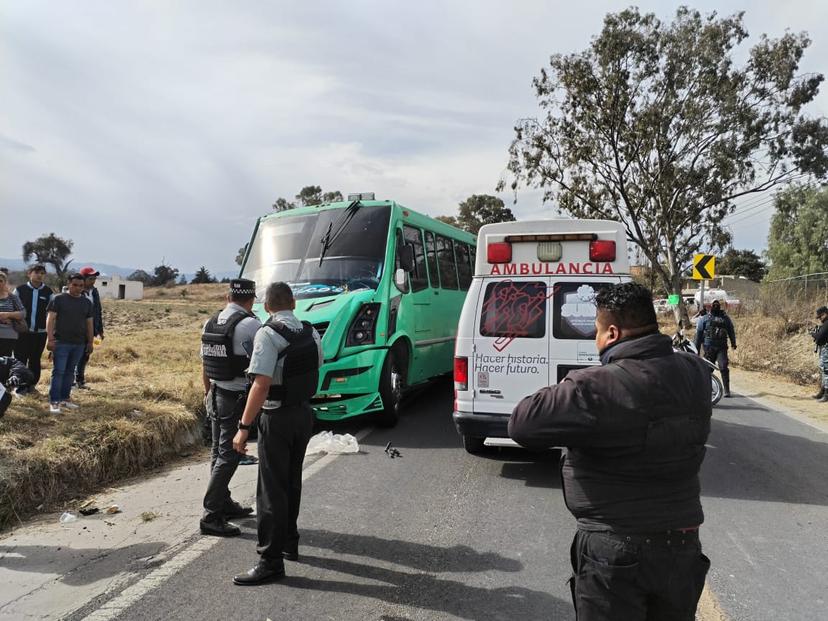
x=70, y=405
x=54, y=408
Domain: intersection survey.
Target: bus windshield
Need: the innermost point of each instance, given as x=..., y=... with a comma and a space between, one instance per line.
x=288, y=249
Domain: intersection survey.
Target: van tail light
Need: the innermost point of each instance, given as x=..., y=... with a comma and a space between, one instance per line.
x=602, y=250
x=461, y=373
x=499, y=252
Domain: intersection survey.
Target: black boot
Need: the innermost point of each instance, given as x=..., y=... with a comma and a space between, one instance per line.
x=235, y=510
x=219, y=528
x=820, y=394
x=726, y=382
x=261, y=574
x=824, y=398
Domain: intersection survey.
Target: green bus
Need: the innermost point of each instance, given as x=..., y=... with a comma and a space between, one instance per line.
x=382, y=284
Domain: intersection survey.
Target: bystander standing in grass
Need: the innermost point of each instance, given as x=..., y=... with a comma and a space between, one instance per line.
x=35, y=296
x=11, y=311
x=69, y=335
x=90, y=275
x=821, y=341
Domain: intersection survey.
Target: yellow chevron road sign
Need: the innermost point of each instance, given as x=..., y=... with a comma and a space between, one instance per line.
x=704, y=266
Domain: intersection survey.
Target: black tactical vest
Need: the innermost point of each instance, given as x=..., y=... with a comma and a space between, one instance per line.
x=220, y=363
x=716, y=329
x=300, y=373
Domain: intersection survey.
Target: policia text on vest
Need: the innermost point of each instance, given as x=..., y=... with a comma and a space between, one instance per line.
x=226, y=346
x=284, y=366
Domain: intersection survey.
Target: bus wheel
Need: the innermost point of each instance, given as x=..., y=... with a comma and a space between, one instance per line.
x=391, y=389
x=474, y=445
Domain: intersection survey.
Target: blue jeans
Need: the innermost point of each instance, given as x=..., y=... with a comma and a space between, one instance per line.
x=65, y=358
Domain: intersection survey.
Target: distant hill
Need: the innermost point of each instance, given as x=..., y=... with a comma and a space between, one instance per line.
x=106, y=268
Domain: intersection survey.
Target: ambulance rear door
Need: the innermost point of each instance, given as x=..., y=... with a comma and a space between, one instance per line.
x=511, y=342
x=572, y=323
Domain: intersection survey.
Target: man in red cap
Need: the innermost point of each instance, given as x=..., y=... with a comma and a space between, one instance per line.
x=90, y=274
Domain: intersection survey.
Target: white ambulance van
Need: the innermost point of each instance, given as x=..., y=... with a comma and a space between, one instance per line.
x=529, y=316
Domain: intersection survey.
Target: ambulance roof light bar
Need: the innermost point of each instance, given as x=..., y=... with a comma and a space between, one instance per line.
x=552, y=237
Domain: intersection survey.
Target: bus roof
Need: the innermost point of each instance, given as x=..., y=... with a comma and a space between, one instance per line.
x=574, y=256
x=415, y=217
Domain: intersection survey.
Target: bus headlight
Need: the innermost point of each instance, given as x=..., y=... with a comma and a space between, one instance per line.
x=364, y=327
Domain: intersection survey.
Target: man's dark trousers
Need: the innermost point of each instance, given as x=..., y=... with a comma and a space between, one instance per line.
x=649, y=577
x=224, y=409
x=717, y=354
x=283, y=438
x=29, y=350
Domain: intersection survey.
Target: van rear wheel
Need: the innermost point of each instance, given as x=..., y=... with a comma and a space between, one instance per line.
x=474, y=445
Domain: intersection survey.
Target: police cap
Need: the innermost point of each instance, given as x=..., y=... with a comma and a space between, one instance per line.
x=242, y=286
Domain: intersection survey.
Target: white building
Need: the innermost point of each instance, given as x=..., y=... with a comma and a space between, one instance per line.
x=118, y=288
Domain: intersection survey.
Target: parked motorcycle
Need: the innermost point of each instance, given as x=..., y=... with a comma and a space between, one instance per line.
x=681, y=343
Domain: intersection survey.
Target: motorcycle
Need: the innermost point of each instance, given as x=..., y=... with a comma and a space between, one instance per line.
x=681, y=343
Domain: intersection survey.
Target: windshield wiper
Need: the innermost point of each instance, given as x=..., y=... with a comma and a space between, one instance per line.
x=342, y=223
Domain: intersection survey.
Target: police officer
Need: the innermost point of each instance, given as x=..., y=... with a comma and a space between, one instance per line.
x=635, y=429
x=714, y=329
x=226, y=346
x=821, y=341
x=285, y=369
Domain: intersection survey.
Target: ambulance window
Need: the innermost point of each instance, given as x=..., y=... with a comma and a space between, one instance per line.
x=419, y=278
x=431, y=258
x=445, y=255
x=464, y=270
x=574, y=310
x=514, y=309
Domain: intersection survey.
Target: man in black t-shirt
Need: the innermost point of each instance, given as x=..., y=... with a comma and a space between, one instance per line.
x=69, y=334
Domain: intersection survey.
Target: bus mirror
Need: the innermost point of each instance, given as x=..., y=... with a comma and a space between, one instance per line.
x=401, y=280
x=407, y=257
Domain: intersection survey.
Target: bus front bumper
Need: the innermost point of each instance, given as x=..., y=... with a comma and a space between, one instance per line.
x=481, y=425
x=349, y=386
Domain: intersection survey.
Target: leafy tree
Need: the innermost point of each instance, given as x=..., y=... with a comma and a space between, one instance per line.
x=141, y=276
x=164, y=274
x=452, y=220
x=308, y=196
x=657, y=126
x=52, y=250
x=798, y=237
x=480, y=209
x=742, y=263
x=282, y=204
x=240, y=255
x=202, y=276
x=182, y=280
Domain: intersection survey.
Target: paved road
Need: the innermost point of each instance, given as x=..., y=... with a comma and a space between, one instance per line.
x=439, y=534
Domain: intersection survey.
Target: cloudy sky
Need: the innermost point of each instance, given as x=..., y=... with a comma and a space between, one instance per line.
x=161, y=130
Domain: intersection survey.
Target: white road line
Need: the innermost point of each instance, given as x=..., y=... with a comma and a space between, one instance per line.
x=114, y=607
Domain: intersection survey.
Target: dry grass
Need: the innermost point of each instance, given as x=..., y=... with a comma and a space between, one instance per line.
x=144, y=407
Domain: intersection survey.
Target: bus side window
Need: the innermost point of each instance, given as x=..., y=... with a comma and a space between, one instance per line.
x=414, y=237
x=445, y=256
x=431, y=256
x=464, y=270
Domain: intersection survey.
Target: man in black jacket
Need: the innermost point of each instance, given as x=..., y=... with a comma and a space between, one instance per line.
x=821, y=341
x=35, y=296
x=634, y=429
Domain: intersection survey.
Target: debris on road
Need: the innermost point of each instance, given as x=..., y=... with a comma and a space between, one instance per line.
x=67, y=517
x=328, y=442
x=391, y=451
x=149, y=516
x=89, y=510
x=112, y=509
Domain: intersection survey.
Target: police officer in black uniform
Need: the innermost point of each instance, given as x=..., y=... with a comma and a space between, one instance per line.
x=285, y=365
x=634, y=429
x=226, y=346
x=820, y=335
x=714, y=329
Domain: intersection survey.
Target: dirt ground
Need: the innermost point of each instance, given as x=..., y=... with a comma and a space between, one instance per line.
x=781, y=392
